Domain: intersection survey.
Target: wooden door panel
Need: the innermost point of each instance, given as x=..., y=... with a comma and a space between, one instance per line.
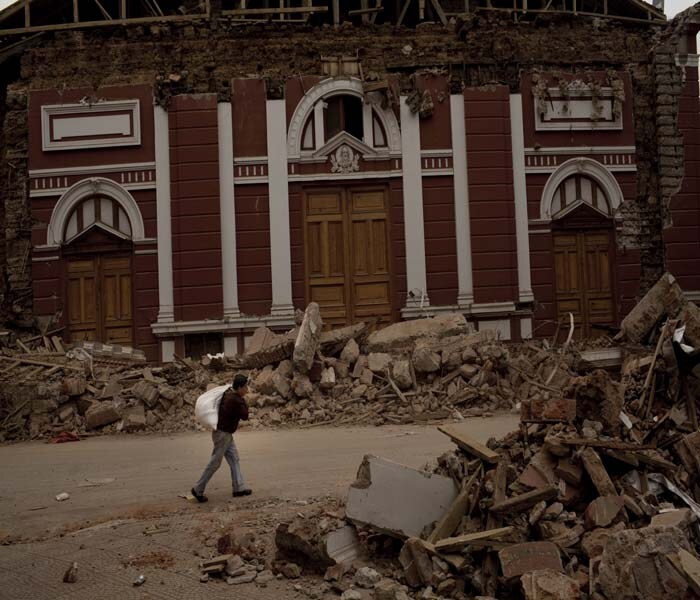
x=371, y=289
x=583, y=276
x=116, y=300
x=82, y=300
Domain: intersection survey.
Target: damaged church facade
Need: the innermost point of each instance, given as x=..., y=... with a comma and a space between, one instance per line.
x=174, y=181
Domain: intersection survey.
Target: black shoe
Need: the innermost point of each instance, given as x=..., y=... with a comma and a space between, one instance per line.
x=242, y=493
x=200, y=497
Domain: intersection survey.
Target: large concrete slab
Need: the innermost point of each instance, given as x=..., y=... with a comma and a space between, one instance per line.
x=400, y=335
x=397, y=499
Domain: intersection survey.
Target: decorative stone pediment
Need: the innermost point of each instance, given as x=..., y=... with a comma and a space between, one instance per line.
x=344, y=139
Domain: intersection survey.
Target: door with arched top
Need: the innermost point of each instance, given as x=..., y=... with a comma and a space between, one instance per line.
x=97, y=253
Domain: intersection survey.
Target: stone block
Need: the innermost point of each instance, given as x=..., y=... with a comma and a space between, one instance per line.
x=146, y=392
x=405, y=333
x=327, y=379
x=524, y=558
x=681, y=517
x=555, y=409
x=397, y=499
x=350, y=353
x=378, y=362
x=401, y=371
x=425, y=360
x=302, y=386
x=74, y=386
x=101, y=414
x=134, y=418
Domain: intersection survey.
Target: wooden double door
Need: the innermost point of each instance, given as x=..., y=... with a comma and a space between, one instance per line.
x=583, y=263
x=347, y=253
x=100, y=299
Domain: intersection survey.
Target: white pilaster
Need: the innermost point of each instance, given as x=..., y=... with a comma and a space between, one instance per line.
x=416, y=281
x=230, y=346
x=465, y=294
x=227, y=209
x=167, y=350
x=319, y=125
x=166, y=313
x=526, y=328
x=280, y=249
x=367, y=125
x=522, y=234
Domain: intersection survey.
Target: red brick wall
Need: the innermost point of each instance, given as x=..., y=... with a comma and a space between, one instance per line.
x=145, y=289
x=440, y=240
x=249, y=118
x=253, y=249
x=296, y=240
x=683, y=239
x=491, y=203
x=435, y=132
x=196, y=223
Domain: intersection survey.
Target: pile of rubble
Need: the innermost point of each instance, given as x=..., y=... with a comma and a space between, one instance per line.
x=597, y=495
x=409, y=372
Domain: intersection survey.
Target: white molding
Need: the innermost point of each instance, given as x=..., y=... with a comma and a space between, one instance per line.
x=440, y=153
x=145, y=241
x=339, y=139
x=580, y=150
x=578, y=99
x=693, y=295
x=152, y=251
x=416, y=279
x=278, y=181
x=465, y=294
x=131, y=187
x=328, y=88
x=85, y=189
x=247, y=160
x=611, y=168
x=250, y=180
x=319, y=126
x=346, y=176
x=584, y=166
x=227, y=210
x=436, y=172
x=489, y=308
x=689, y=61
x=91, y=170
x=502, y=326
x=520, y=195
x=90, y=111
x=367, y=125
x=526, y=328
x=38, y=259
x=416, y=312
x=167, y=350
x=166, y=308
x=221, y=325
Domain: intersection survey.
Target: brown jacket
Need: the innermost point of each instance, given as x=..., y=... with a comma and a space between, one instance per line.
x=232, y=409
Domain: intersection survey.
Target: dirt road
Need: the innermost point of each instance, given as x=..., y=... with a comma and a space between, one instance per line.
x=136, y=524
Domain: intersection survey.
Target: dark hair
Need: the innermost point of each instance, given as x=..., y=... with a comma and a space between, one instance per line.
x=239, y=381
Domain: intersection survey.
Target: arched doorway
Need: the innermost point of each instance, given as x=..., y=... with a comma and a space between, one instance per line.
x=581, y=205
x=95, y=224
x=346, y=220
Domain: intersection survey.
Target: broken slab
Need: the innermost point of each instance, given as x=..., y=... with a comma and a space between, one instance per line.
x=417, y=563
x=425, y=360
x=603, y=511
x=690, y=317
x=680, y=517
x=691, y=569
x=518, y=559
x=459, y=542
x=458, y=434
x=405, y=333
x=397, y=499
x=379, y=362
x=308, y=339
x=596, y=471
x=523, y=502
x=546, y=584
x=664, y=298
x=637, y=564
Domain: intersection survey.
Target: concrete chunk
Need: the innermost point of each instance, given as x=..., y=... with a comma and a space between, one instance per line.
x=549, y=585
x=308, y=339
x=378, y=362
x=404, y=334
x=524, y=558
x=101, y=414
x=397, y=499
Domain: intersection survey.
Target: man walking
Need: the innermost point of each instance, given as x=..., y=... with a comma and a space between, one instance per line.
x=232, y=409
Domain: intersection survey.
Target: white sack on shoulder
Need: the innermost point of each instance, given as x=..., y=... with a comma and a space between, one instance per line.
x=206, y=409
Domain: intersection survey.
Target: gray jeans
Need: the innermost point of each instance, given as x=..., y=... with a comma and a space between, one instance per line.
x=224, y=447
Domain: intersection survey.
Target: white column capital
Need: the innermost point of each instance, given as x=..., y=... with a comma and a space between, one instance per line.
x=166, y=310
x=414, y=226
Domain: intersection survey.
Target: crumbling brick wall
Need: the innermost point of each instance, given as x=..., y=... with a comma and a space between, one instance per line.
x=203, y=57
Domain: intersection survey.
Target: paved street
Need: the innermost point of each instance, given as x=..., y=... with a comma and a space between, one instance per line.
x=283, y=467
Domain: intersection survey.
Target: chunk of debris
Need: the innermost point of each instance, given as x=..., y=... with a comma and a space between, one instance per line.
x=403, y=334
x=518, y=559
